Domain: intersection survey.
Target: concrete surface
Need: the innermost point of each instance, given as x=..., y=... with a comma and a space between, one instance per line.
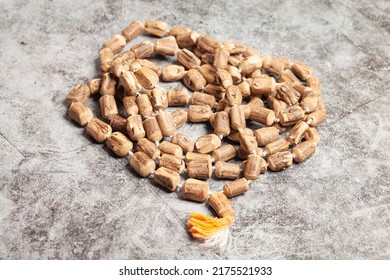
x=64, y=197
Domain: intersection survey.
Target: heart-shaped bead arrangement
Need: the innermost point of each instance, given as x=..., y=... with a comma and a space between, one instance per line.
x=230, y=83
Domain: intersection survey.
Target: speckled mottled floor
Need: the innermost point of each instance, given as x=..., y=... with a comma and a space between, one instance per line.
x=64, y=197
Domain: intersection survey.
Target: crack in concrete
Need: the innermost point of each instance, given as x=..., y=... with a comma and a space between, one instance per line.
x=16, y=148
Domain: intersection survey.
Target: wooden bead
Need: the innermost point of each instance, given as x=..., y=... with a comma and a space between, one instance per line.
x=273, y=65
x=276, y=146
x=199, y=98
x=263, y=85
x=207, y=43
x=248, y=142
x=245, y=88
x=144, y=105
x=106, y=56
x=199, y=113
x=80, y=113
x=303, y=150
x=179, y=117
x=199, y=169
x=135, y=128
x=276, y=105
x=287, y=94
x=266, y=135
x=221, y=124
x=130, y=83
x=195, y=190
x=207, y=143
x=79, y=93
x=280, y=161
x=151, y=65
x=209, y=72
x=301, y=70
x=312, y=134
x=262, y=115
x=237, y=117
x=295, y=135
x=207, y=58
x=135, y=65
x=166, y=123
x=190, y=156
x=118, y=123
x=166, y=46
x=178, y=29
x=186, y=40
x=217, y=91
x=156, y=27
x=223, y=78
x=235, y=135
x=221, y=204
x=236, y=187
x=184, y=142
x=117, y=67
x=172, y=73
x=152, y=129
x=221, y=57
x=289, y=78
x=194, y=80
x=224, y=153
x=167, y=178
x=291, y=115
x=130, y=104
x=143, y=50
x=235, y=60
x=149, y=148
x=159, y=98
x=94, y=85
x=108, y=85
x=252, y=167
x=314, y=84
x=319, y=115
x=222, y=105
x=108, y=106
x=233, y=95
x=224, y=170
x=116, y=43
x=188, y=59
x=235, y=74
x=132, y=31
x=171, y=162
x=171, y=149
x=249, y=64
x=243, y=153
x=147, y=77
x=119, y=144
x=98, y=130
x=142, y=164
x=279, y=127
x=178, y=97
x=303, y=91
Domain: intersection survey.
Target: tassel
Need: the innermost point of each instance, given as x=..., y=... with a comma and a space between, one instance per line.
x=205, y=227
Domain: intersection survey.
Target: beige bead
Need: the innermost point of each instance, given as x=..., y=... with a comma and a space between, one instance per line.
x=166, y=46
x=276, y=105
x=251, y=51
x=207, y=143
x=143, y=50
x=130, y=104
x=167, y=178
x=149, y=148
x=224, y=78
x=207, y=43
x=249, y=64
x=221, y=124
x=263, y=165
x=235, y=73
x=312, y=134
x=266, y=135
x=262, y=115
x=194, y=80
x=132, y=31
x=199, y=53
x=144, y=105
x=237, y=118
x=243, y=153
x=248, y=142
x=156, y=27
x=235, y=135
x=233, y=95
x=303, y=150
x=119, y=144
x=147, y=77
x=130, y=83
x=94, y=85
x=199, y=113
x=190, y=156
x=252, y=167
x=79, y=93
x=151, y=65
x=142, y=164
x=263, y=85
x=209, y=72
x=295, y=135
x=184, y=142
x=152, y=129
x=108, y=85
x=117, y=67
x=172, y=73
x=245, y=88
x=236, y=187
x=195, y=190
x=289, y=78
x=108, y=106
x=178, y=97
x=301, y=70
x=291, y=115
x=224, y=170
x=287, y=94
x=199, y=169
x=80, y=113
x=106, y=56
x=171, y=162
x=314, y=84
x=304, y=91
x=159, y=98
x=118, y=123
x=215, y=90
x=234, y=48
x=187, y=39
x=178, y=29
x=171, y=149
x=221, y=204
x=280, y=161
x=235, y=60
x=98, y=130
x=179, y=117
x=221, y=57
x=135, y=65
x=199, y=98
x=135, y=128
x=207, y=58
x=224, y=153
x=319, y=115
x=188, y=59
x=166, y=123
x=273, y=65
x=116, y=43
x=256, y=73
x=276, y=146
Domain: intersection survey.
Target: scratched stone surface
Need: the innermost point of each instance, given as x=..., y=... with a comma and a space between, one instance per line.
x=64, y=197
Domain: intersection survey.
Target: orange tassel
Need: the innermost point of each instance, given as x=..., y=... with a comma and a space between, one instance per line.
x=204, y=227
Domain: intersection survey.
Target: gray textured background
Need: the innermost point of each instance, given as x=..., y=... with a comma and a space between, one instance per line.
x=64, y=197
